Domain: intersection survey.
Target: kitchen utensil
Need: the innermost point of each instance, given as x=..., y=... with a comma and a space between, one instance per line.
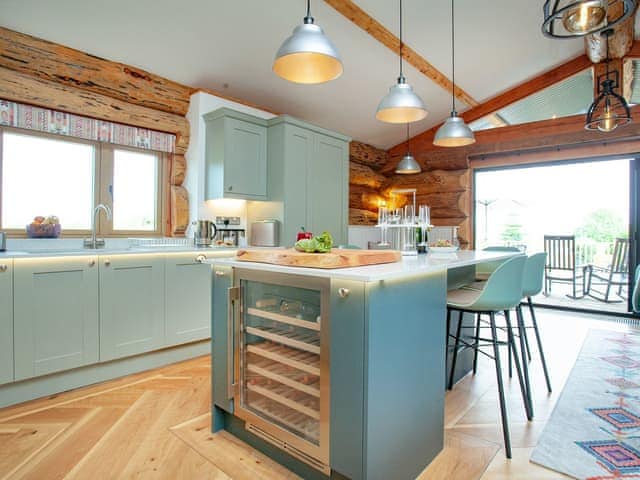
x=204, y=232
x=265, y=233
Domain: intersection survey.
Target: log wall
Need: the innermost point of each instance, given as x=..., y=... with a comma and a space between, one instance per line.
x=49, y=75
x=365, y=183
x=446, y=181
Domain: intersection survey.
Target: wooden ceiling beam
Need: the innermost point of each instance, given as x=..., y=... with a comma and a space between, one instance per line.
x=362, y=19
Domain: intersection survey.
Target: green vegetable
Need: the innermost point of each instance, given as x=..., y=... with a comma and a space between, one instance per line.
x=319, y=244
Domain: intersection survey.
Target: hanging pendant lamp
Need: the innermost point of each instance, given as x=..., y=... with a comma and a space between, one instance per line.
x=609, y=110
x=408, y=164
x=308, y=56
x=454, y=132
x=401, y=104
x=577, y=18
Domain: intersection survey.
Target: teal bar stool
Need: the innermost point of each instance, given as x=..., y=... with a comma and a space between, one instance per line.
x=532, y=283
x=635, y=299
x=483, y=270
x=502, y=292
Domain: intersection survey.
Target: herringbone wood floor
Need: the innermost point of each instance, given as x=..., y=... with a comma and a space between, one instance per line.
x=156, y=425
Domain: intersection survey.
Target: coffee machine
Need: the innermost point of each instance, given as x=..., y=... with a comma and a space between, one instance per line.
x=204, y=232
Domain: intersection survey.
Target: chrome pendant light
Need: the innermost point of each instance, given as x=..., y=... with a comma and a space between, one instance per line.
x=408, y=164
x=609, y=110
x=454, y=132
x=401, y=104
x=308, y=56
x=577, y=18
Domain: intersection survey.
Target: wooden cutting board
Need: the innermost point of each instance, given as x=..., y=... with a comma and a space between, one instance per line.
x=337, y=258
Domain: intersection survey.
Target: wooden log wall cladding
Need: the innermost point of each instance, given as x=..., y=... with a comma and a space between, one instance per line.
x=23, y=88
x=72, y=68
x=365, y=182
x=49, y=75
x=179, y=210
x=445, y=191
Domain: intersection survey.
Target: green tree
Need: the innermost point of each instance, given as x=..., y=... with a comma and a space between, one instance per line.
x=512, y=232
x=602, y=225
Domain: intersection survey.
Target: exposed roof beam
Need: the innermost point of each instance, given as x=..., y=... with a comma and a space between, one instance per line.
x=424, y=140
x=378, y=31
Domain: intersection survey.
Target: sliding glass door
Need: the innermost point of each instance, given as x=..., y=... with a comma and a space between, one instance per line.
x=583, y=213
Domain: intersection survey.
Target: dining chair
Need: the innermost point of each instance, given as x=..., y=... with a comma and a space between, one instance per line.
x=561, y=266
x=502, y=292
x=616, y=274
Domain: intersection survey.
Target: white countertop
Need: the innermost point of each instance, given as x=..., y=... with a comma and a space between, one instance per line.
x=210, y=252
x=409, y=266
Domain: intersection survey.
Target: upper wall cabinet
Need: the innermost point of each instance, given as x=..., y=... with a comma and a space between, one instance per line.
x=236, y=155
x=308, y=178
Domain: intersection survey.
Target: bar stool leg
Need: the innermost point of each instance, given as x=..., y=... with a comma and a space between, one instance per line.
x=535, y=329
x=511, y=346
x=455, y=351
x=526, y=342
x=503, y=406
x=475, y=350
x=525, y=367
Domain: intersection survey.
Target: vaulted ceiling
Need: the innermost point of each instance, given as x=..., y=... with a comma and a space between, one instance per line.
x=229, y=46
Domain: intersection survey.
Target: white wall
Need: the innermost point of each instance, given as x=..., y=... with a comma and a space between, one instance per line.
x=194, y=182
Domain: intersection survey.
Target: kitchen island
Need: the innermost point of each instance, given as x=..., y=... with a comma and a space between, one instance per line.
x=336, y=373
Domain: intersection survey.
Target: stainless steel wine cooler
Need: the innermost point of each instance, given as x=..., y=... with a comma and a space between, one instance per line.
x=280, y=326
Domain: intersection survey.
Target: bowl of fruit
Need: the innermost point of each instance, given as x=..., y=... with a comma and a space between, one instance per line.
x=442, y=246
x=44, y=227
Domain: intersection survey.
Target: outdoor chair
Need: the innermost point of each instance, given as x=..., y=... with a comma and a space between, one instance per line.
x=616, y=274
x=561, y=266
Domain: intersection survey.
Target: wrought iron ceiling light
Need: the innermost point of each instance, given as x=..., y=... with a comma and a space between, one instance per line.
x=577, y=18
x=408, y=164
x=609, y=110
x=453, y=132
x=401, y=104
x=308, y=56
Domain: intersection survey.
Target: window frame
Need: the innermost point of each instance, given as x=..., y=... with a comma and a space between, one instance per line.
x=102, y=179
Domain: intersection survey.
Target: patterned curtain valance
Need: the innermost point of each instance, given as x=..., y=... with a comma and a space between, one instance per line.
x=44, y=120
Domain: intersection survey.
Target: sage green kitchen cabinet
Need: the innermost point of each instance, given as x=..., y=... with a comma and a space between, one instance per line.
x=55, y=314
x=6, y=320
x=132, y=306
x=308, y=174
x=236, y=155
x=187, y=298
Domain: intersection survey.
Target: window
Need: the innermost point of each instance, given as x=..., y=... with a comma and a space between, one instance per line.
x=44, y=175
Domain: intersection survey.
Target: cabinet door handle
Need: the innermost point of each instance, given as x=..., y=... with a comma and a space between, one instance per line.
x=230, y=187
x=3, y=268
x=107, y=262
x=220, y=273
x=92, y=263
x=233, y=296
x=200, y=258
x=344, y=292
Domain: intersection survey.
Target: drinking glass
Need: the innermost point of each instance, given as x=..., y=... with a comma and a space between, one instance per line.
x=383, y=221
x=409, y=215
x=423, y=215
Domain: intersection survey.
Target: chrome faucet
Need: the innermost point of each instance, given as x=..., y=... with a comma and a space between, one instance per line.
x=94, y=242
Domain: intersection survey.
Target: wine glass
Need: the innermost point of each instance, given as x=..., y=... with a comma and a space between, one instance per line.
x=383, y=221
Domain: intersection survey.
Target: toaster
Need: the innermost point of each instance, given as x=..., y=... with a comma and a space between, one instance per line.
x=265, y=233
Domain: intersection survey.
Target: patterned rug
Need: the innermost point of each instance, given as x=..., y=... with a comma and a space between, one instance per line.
x=594, y=431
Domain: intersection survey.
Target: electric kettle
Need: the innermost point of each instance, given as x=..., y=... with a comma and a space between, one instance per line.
x=204, y=231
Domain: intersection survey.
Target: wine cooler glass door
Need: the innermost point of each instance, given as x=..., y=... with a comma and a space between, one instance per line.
x=282, y=359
